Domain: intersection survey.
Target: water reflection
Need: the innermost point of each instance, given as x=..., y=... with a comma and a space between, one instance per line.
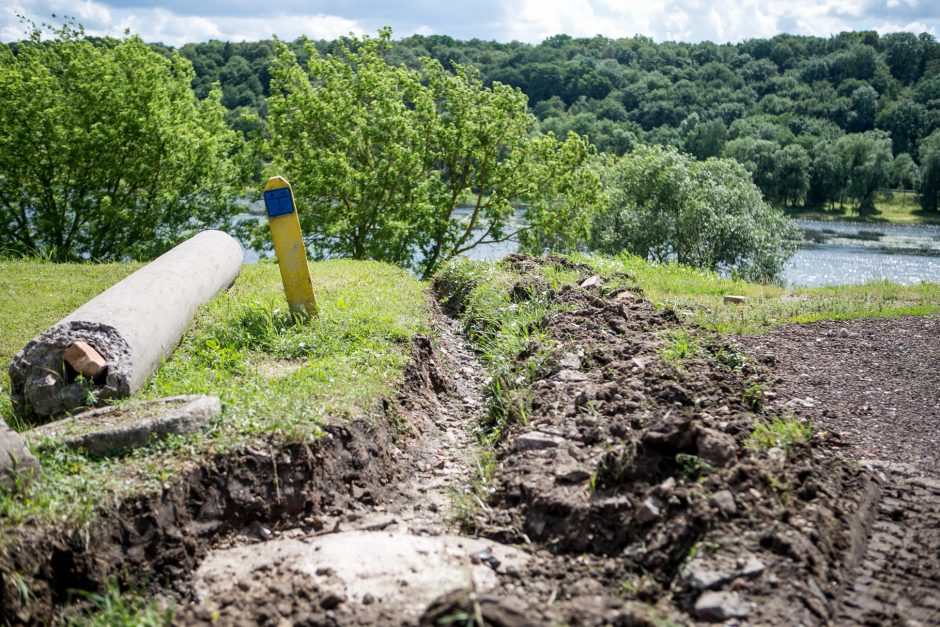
x=841, y=253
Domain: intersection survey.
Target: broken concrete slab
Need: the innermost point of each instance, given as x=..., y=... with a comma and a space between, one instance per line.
x=133, y=326
x=17, y=464
x=396, y=575
x=115, y=430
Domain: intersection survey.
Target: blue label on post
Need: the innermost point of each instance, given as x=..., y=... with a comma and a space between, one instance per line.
x=278, y=202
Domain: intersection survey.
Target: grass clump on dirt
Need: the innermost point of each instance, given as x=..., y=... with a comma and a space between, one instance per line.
x=280, y=379
x=783, y=432
x=698, y=297
x=502, y=318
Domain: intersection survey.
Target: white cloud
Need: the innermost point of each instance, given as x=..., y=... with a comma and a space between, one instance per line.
x=157, y=24
x=525, y=20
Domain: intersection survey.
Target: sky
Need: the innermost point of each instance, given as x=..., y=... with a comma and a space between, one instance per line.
x=180, y=21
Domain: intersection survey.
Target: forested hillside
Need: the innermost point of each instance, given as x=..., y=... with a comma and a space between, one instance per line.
x=823, y=122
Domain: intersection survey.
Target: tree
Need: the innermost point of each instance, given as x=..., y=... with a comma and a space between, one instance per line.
x=903, y=172
x=827, y=175
x=930, y=172
x=381, y=156
x=791, y=175
x=105, y=152
x=866, y=157
x=667, y=206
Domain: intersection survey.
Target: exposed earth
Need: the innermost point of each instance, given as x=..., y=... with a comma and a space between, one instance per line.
x=626, y=488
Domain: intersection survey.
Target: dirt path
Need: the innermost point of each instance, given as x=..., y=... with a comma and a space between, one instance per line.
x=384, y=558
x=877, y=384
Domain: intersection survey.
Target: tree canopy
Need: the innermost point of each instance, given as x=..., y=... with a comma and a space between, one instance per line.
x=667, y=206
x=105, y=152
x=381, y=156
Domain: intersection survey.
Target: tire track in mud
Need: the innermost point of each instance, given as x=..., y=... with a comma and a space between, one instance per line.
x=897, y=581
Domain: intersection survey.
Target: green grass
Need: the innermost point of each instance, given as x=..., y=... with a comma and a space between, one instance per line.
x=501, y=330
x=783, y=432
x=697, y=296
x=896, y=207
x=280, y=380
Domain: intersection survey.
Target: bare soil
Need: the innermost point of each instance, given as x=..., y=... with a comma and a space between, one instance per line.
x=628, y=495
x=875, y=382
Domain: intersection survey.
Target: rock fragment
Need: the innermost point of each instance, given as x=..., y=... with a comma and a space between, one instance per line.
x=715, y=447
x=724, y=501
x=592, y=281
x=735, y=300
x=721, y=606
x=17, y=464
x=536, y=441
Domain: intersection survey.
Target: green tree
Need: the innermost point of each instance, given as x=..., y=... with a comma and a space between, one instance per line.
x=105, y=152
x=930, y=172
x=903, y=172
x=866, y=157
x=382, y=156
x=791, y=174
x=665, y=205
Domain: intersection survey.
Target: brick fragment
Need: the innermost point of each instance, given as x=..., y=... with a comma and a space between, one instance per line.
x=86, y=360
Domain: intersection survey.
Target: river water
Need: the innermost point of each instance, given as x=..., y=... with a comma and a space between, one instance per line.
x=840, y=253
x=835, y=253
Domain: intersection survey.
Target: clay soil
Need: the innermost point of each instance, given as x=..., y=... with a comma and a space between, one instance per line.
x=629, y=492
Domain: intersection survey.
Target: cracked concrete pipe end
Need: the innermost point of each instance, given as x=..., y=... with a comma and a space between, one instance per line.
x=133, y=326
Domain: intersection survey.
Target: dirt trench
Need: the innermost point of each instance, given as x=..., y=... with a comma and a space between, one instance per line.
x=628, y=496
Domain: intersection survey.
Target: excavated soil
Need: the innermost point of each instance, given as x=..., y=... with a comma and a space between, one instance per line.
x=627, y=493
x=875, y=382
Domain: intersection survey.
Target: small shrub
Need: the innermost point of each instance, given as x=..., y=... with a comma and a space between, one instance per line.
x=783, y=432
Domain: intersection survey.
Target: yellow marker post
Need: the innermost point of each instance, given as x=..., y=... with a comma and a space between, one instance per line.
x=289, y=246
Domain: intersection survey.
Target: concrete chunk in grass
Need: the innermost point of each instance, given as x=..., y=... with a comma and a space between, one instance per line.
x=115, y=430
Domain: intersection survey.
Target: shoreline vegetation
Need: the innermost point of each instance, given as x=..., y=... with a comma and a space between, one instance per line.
x=890, y=208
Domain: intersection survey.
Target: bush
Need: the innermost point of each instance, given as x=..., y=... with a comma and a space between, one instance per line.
x=105, y=152
x=666, y=206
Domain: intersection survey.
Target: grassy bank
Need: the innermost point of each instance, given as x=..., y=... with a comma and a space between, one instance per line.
x=698, y=296
x=279, y=380
x=893, y=207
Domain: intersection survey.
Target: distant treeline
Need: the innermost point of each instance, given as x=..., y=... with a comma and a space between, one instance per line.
x=821, y=122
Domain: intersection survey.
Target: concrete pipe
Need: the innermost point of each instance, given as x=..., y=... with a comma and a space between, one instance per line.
x=110, y=346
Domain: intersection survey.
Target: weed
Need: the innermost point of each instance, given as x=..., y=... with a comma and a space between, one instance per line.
x=753, y=396
x=115, y=608
x=786, y=432
x=466, y=503
x=680, y=344
x=694, y=466
x=615, y=466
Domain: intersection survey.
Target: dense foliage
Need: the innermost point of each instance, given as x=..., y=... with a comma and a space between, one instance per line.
x=666, y=206
x=806, y=115
x=381, y=155
x=105, y=153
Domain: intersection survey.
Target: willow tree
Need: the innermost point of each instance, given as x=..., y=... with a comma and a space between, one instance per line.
x=105, y=152
x=381, y=156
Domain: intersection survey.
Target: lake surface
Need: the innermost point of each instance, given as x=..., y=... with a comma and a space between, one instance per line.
x=835, y=253
x=841, y=253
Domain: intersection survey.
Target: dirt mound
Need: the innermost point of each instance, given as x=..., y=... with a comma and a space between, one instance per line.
x=638, y=473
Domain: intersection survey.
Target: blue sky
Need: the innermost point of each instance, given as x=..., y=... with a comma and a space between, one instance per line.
x=181, y=21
